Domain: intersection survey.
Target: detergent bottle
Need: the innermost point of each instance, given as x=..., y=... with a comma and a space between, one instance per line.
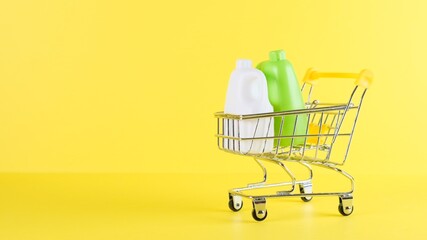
x=247, y=93
x=284, y=94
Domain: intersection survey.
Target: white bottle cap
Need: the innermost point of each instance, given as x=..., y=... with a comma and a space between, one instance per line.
x=243, y=64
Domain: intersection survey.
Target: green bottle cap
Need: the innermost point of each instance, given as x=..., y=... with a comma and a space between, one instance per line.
x=277, y=55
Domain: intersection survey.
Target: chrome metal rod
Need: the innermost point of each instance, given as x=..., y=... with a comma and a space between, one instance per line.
x=264, y=171
x=276, y=137
x=339, y=123
x=289, y=174
x=266, y=185
x=267, y=133
x=318, y=137
x=320, y=194
x=354, y=126
x=293, y=134
x=310, y=170
x=280, y=134
x=237, y=191
x=238, y=135
x=284, y=113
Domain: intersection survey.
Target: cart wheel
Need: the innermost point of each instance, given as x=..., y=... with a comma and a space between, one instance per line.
x=345, y=212
x=259, y=215
x=306, y=188
x=346, y=205
x=259, y=211
x=306, y=199
x=235, y=203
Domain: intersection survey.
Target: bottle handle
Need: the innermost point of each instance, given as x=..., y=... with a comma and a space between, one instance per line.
x=363, y=79
x=254, y=90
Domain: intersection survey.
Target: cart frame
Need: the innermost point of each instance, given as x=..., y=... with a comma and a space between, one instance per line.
x=326, y=119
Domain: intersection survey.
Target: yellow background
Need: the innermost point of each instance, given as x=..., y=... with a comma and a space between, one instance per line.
x=131, y=87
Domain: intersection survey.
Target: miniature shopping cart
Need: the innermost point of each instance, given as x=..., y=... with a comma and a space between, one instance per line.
x=327, y=128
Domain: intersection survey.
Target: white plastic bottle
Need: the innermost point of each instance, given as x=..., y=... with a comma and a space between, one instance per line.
x=247, y=93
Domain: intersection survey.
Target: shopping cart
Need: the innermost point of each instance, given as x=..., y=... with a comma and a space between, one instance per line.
x=329, y=126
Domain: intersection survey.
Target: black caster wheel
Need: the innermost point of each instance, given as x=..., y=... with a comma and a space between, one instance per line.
x=260, y=215
x=235, y=204
x=345, y=211
x=346, y=205
x=306, y=189
x=306, y=199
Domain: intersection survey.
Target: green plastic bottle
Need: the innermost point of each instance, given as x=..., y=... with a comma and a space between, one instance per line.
x=284, y=94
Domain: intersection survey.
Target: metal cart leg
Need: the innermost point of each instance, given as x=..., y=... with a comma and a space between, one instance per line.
x=306, y=186
x=345, y=206
x=290, y=175
x=264, y=170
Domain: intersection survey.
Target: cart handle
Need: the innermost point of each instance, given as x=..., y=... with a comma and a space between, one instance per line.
x=363, y=79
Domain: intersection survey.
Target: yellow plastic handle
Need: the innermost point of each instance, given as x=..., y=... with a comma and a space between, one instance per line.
x=363, y=79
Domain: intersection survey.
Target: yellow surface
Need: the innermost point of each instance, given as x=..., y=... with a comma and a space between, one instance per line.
x=142, y=206
x=131, y=87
